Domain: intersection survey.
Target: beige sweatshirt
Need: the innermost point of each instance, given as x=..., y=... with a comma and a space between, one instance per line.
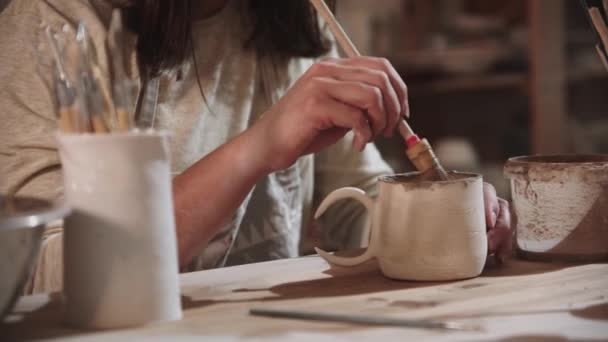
x=238, y=87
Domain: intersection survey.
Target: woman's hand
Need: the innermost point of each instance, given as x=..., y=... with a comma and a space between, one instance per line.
x=498, y=222
x=362, y=94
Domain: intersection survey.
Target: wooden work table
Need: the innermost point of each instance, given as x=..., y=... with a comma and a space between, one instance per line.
x=522, y=301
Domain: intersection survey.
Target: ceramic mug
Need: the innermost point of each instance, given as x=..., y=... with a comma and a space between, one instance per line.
x=425, y=231
x=120, y=249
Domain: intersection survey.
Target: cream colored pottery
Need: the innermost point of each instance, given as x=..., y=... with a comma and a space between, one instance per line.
x=561, y=206
x=427, y=231
x=120, y=250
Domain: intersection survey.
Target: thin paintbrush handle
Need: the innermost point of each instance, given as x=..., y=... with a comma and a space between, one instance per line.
x=600, y=25
x=343, y=40
x=349, y=48
x=600, y=52
x=418, y=151
x=405, y=130
x=66, y=119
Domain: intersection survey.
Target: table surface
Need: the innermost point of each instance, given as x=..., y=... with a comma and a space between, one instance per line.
x=521, y=301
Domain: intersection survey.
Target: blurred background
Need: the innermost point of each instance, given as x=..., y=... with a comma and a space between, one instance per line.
x=489, y=79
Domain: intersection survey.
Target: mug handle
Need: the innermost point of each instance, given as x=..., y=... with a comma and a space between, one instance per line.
x=368, y=202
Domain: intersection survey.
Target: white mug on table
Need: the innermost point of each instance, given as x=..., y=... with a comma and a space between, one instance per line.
x=120, y=247
x=427, y=231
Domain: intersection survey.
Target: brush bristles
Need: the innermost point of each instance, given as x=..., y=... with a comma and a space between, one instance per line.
x=425, y=161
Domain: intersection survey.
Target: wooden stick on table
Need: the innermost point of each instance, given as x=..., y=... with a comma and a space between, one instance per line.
x=343, y=40
x=349, y=48
x=121, y=83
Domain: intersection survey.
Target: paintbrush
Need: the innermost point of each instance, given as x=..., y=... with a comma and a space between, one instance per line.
x=122, y=86
x=597, y=23
x=418, y=150
x=96, y=101
x=65, y=93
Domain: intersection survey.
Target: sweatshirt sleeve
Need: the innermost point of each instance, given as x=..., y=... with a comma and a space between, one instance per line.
x=29, y=162
x=28, y=159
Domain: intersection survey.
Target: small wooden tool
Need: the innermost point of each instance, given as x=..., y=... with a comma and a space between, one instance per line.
x=362, y=319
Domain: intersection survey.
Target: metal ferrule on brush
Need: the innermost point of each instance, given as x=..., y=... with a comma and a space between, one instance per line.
x=422, y=156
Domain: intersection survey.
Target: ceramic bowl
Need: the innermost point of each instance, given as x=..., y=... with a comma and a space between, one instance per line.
x=561, y=206
x=22, y=222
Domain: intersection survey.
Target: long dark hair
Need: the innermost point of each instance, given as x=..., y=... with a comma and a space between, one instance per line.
x=286, y=28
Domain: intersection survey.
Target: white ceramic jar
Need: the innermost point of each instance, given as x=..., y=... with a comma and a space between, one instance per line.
x=120, y=250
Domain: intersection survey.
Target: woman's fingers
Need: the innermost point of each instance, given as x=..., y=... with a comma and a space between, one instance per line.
x=369, y=76
x=367, y=98
x=365, y=95
x=491, y=205
x=329, y=137
x=385, y=66
x=500, y=236
x=336, y=113
x=498, y=222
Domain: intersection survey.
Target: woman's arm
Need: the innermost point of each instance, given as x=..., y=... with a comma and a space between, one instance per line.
x=208, y=193
x=330, y=99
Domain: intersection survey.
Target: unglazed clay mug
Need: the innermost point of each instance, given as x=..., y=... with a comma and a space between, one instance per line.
x=421, y=230
x=120, y=249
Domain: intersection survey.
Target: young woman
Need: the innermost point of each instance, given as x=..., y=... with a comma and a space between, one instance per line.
x=265, y=119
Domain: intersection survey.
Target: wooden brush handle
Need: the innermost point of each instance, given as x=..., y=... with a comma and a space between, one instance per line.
x=600, y=25
x=343, y=41
x=99, y=126
x=349, y=48
x=405, y=130
x=421, y=154
x=124, y=121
